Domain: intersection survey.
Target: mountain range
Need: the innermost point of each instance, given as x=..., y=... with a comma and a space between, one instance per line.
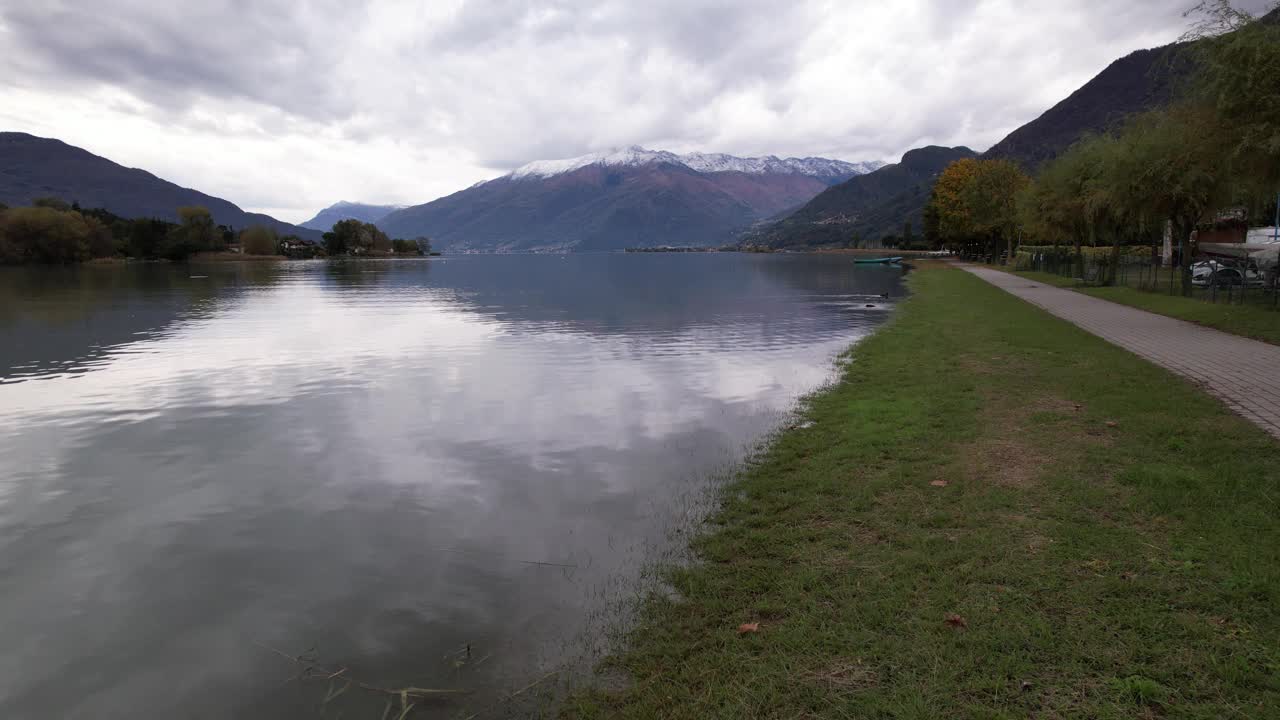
x=34, y=167
x=631, y=197
x=635, y=197
x=638, y=197
x=636, y=156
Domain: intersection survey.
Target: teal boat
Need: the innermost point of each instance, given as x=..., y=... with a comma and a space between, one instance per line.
x=877, y=261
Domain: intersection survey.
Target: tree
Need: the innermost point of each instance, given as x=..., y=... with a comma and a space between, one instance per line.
x=1239, y=60
x=991, y=200
x=1057, y=204
x=352, y=237
x=44, y=235
x=147, y=237
x=379, y=241
x=907, y=237
x=100, y=241
x=424, y=244
x=955, y=224
x=259, y=240
x=1174, y=168
x=975, y=203
x=343, y=239
x=195, y=232
x=406, y=247
x=932, y=224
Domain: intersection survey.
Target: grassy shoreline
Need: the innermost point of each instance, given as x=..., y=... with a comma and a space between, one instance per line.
x=992, y=514
x=1249, y=321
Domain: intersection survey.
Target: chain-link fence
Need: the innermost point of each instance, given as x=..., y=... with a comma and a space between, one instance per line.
x=1213, y=279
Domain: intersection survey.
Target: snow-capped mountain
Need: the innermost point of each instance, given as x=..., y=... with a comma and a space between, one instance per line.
x=636, y=156
x=631, y=197
x=811, y=166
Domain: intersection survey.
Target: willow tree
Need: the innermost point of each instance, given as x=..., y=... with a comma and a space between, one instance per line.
x=1113, y=207
x=1061, y=200
x=991, y=198
x=1175, y=168
x=1239, y=61
x=259, y=240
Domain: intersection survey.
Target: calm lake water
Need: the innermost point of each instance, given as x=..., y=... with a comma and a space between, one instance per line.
x=383, y=461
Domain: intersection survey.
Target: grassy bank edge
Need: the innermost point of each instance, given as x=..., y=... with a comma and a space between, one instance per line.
x=1244, y=320
x=991, y=514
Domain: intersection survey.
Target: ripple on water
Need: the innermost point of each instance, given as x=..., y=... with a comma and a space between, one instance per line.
x=389, y=461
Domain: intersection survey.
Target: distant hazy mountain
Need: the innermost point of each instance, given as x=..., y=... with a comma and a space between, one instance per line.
x=625, y=198
x=32, y=167
x=870, y=205
x=343, y=210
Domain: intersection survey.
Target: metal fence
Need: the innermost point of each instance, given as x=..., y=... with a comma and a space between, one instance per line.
x=1214, y=280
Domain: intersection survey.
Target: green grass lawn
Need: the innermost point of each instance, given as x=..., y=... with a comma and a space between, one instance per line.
x=992, y=515
x=1251, y=320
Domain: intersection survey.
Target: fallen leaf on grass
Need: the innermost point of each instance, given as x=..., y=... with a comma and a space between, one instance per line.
x=745, y=628
x=955, y=620
x=939, y=483
x=1112, y=423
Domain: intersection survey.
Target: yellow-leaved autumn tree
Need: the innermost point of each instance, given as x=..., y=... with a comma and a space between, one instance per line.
x=949, y=200
x=975, y=203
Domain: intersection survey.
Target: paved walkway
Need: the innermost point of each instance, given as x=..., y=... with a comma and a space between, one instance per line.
x=1243, y=373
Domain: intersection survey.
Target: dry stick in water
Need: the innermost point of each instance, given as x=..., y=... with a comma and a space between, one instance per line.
x=312, y=670
x=549, y=564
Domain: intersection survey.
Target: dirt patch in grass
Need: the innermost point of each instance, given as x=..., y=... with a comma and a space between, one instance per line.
x=1007, y=462
x=845, y=675
x=1007, y=453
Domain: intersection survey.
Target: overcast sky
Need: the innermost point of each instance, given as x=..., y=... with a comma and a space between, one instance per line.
x=286, y=107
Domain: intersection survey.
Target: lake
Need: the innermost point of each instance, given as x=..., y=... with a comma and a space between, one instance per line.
x=446, y=473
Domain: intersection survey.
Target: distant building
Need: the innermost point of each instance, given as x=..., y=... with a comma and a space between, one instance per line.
x=298, y=248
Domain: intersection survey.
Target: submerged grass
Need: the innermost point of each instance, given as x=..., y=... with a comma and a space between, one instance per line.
x=1258, y=320
x=992, y=515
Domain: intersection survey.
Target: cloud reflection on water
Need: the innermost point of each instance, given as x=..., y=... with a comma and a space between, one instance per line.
x=370, y=456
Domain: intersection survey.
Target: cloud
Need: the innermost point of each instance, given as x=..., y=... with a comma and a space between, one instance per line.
x=289, y=106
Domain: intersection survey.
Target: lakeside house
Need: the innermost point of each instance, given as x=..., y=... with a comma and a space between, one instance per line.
x=295, y=247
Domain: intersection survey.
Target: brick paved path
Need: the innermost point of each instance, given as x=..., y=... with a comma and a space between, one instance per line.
x=1243, y=373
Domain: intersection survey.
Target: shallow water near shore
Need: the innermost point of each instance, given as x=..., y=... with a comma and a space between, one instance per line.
x=429, y=472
